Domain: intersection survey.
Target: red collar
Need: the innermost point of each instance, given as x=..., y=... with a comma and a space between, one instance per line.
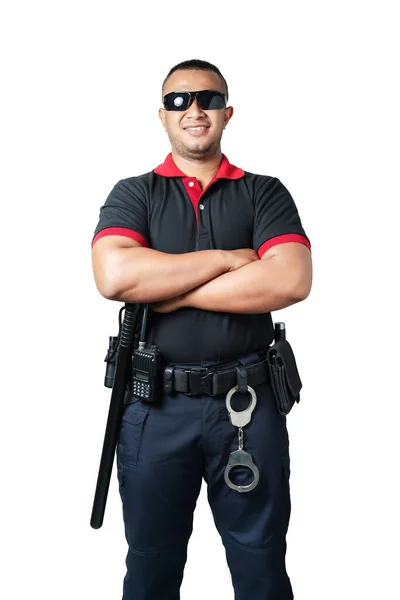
x=169, y=169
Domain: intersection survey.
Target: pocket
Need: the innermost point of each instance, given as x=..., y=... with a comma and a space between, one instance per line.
x=131, y=432
x=122, y=492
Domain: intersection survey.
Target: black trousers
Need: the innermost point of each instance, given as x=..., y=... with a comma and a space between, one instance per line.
x=164, y=452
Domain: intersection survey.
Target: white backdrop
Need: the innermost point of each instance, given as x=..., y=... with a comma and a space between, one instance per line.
x=315, y=91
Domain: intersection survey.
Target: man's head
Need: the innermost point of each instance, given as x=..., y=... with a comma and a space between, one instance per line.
x=194, y=76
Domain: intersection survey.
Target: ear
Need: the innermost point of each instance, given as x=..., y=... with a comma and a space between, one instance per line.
x=161, y=114
x=228, y=115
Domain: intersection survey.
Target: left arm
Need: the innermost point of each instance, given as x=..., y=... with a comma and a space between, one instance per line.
x=281, y=278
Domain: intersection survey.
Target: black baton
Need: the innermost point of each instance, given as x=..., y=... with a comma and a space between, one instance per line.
x=122, y=373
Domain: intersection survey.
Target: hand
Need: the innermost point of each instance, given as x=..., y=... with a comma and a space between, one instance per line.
x=240, y=258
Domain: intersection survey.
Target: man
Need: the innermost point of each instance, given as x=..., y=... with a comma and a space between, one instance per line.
x=213, y=249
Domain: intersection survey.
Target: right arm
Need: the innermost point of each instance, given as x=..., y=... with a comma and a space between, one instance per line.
x=126, y=271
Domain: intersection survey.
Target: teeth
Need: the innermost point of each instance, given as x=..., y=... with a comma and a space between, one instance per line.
x=196, y=128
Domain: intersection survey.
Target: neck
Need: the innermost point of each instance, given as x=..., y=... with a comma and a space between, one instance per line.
x=202, y=169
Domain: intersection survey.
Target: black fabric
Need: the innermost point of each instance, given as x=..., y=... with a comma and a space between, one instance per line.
x=238, y=213
x=126, y=206
x=275, y=210
x=164, y=454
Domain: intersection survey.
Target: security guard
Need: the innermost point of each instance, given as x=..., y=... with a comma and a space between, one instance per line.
x=213, y=250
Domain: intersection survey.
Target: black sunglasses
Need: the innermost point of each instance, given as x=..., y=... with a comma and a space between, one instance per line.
x=206, y=99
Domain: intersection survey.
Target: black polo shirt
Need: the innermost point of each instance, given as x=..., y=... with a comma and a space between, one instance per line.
x=168, y=211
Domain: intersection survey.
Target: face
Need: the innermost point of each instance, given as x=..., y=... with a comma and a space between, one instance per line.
x=185, y=141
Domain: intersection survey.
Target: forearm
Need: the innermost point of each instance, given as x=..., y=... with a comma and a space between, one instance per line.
x=145, y=275
x=259, y=287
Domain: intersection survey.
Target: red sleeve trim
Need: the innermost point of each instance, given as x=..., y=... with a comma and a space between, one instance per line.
x=121, y=231
x=281, y=239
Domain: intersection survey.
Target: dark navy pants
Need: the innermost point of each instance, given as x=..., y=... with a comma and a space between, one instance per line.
x=163, y=453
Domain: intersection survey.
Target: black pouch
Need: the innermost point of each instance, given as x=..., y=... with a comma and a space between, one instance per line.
x=285, y=379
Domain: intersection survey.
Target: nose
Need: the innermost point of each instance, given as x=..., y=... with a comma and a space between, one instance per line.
x=194, y=108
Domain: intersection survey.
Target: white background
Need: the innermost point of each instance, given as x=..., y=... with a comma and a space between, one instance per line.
x=314, y=87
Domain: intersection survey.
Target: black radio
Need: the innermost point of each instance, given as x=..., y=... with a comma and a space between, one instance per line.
x=147, y=382
x=146, y=374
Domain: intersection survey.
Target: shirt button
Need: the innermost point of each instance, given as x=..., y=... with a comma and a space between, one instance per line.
x=191, y=183
x=201, y=206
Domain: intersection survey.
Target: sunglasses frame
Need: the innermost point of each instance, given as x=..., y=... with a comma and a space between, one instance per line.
x=192, y=98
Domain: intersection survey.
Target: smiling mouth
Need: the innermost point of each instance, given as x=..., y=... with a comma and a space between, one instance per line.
x=200, y=130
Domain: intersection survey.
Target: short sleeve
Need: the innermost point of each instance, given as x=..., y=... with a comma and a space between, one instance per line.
x=124, y=213
x=276, y=217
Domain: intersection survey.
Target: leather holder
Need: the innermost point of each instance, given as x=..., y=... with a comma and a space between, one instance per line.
x=285, y=379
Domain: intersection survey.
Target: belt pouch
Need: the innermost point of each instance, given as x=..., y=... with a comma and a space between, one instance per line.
x=285, y=379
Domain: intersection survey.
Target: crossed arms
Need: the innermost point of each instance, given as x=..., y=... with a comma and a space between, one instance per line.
x=218, y=280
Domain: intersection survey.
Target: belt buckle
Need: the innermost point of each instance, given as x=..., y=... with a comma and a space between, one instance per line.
x=200, y=382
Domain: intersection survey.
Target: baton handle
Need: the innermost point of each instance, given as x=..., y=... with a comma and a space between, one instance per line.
x=280, y=331
x=122, y=372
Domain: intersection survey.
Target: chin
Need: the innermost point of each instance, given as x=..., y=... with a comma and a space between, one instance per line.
x=195, y=151
x=201, y=150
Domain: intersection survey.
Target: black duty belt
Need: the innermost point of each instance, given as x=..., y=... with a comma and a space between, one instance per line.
x=213, y=380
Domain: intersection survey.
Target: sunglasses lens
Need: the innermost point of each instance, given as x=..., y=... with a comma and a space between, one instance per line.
x=210, y=100
x=176, y=101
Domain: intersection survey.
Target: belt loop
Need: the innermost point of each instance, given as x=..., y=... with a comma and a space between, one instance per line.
x=241, y=379
x=169, y=379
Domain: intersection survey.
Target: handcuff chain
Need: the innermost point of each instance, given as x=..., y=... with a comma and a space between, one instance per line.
x=240, y=435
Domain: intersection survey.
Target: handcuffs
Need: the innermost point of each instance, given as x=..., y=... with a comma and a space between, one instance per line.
x=240, y=419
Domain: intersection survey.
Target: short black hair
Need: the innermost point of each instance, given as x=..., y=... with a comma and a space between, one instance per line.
x=201, y=65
